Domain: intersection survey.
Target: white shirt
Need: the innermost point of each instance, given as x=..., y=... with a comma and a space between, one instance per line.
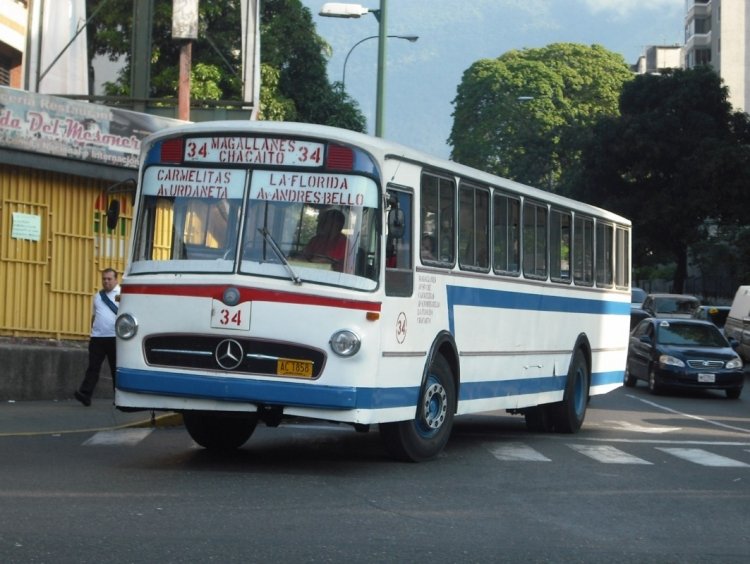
x=104, y=318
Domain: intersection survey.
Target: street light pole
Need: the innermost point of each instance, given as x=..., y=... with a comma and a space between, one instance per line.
x=345, y=10
x=410, y=38
x=380, y=15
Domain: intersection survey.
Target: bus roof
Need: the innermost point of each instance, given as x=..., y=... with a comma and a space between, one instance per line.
x=380, y=148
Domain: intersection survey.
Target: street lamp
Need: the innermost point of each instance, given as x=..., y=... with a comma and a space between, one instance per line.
x=410, y=38
x=344, y=10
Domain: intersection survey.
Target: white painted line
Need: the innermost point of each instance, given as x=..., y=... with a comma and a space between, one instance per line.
x=120, y=437
x=703, y=457
x=627, y=426
x=608, y=454
x=689, y=416
x=516, y=452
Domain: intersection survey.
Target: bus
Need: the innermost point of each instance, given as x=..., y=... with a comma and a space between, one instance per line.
x=285, y=270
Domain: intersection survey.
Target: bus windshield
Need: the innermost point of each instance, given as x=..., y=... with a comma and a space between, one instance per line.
x=256, y=228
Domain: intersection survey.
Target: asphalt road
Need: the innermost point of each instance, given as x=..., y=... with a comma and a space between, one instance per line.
x=648, y=479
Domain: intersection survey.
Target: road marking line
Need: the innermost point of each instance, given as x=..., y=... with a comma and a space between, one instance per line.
x=516, y=452
x=703, y=419
x=608, y=454
x=127, y=437
x=626, y=426
x=703, y=457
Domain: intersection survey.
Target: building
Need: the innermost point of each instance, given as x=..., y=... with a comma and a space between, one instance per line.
x=13, y=18
x=658, y=58
x=717, y=33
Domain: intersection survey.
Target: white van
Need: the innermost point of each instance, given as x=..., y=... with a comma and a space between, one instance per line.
x=737, y=326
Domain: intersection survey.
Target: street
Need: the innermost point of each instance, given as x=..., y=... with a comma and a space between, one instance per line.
x=647, y=479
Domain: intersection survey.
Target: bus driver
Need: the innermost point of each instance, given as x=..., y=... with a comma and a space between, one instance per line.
x=329, y=243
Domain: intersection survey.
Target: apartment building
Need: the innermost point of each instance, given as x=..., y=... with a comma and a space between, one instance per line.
x=717, y=32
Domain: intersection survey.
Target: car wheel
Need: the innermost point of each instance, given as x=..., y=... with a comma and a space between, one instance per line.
x=423, y=437
x=734, y=393
x=653, y=384
x=629, y=380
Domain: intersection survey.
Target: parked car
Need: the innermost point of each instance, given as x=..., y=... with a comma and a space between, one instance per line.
x=671, y=305
x=686, y=353
x=715, y=314
x=737, y=325
x=637, y=295
x=637, y=315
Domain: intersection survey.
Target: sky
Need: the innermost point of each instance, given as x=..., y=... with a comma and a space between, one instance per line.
x=422, y=77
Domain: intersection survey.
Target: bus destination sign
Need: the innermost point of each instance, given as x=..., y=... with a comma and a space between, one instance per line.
x=254, y=150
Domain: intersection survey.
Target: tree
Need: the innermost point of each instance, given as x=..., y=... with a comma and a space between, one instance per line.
x=675, y=161
x=294, y=81
x=521, y=115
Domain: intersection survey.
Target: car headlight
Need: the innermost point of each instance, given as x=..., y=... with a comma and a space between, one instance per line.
x=736, y=362
x=669, y=360
x=126, y=326
x=345, y=343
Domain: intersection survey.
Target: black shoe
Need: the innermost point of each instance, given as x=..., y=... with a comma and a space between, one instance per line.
x=83, y=399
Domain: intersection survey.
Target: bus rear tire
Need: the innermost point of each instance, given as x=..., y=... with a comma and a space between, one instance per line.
x=424, y=437
x=568, y=415
x=220, y=431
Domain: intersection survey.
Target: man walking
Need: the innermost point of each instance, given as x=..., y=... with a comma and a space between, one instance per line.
x=102, y=343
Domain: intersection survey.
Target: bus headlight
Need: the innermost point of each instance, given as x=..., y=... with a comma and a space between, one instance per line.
x=345, y=343
x=126, y=326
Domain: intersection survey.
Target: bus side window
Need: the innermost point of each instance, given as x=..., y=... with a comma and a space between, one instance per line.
x=399, y=276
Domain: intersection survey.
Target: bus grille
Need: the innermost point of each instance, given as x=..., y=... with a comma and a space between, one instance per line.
x=257, y=356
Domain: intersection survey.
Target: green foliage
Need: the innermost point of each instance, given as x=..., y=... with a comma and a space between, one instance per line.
x=294, y=82
x=675, y=158
x=522, y=115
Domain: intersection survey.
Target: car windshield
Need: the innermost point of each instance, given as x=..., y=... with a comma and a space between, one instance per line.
x=692, y=334
x=676, y=305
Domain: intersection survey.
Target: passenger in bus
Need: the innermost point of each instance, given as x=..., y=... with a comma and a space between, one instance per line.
x=428, y=247
x=329, y=243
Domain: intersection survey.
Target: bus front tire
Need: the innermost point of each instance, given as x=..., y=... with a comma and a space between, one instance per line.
x=424, y=437
x=220, y=431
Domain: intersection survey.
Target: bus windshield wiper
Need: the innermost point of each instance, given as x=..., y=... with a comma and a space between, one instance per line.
x=270, y=240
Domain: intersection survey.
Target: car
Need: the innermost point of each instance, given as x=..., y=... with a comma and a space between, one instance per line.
x=715, y=314
x=637, y=295
x=685, y=353
x=671, y=305
x=637, y=315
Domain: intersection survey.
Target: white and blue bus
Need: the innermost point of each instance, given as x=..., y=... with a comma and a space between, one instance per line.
x=444, y=290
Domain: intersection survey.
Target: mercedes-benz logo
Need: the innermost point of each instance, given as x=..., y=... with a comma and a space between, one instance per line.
x=229, y=354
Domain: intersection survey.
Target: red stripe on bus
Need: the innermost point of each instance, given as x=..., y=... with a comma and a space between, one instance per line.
x=247, y=294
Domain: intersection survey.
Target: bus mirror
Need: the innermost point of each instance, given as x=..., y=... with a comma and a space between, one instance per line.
x=396, y=222
x=113, y=214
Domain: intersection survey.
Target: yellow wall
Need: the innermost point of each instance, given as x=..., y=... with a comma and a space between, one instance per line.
x=46, y=286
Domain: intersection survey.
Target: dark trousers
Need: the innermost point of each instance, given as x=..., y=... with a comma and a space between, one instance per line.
x=99, y=349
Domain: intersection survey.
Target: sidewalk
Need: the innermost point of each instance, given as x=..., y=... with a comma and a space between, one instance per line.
x=48, y=417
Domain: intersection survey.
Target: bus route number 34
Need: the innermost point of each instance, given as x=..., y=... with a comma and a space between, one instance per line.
x=230, y=317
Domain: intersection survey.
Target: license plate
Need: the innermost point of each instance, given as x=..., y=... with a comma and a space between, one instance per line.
x=707, y=378
x=230, y=317
x=292, y=367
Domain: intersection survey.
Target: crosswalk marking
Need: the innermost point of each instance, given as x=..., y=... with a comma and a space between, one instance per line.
x=608, y=454
x=703, y=457
x=516, y=452
x=119, y=437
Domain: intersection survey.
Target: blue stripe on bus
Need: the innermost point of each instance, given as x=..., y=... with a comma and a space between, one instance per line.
x=326, y=397
x=503, y=299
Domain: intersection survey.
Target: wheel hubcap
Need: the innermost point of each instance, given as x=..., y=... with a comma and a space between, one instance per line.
x=434, y=406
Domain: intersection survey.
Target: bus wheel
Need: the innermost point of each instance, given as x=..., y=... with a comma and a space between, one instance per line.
x=538, y=419
x=425, y=436
x=568, y=415
x=218, y=430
